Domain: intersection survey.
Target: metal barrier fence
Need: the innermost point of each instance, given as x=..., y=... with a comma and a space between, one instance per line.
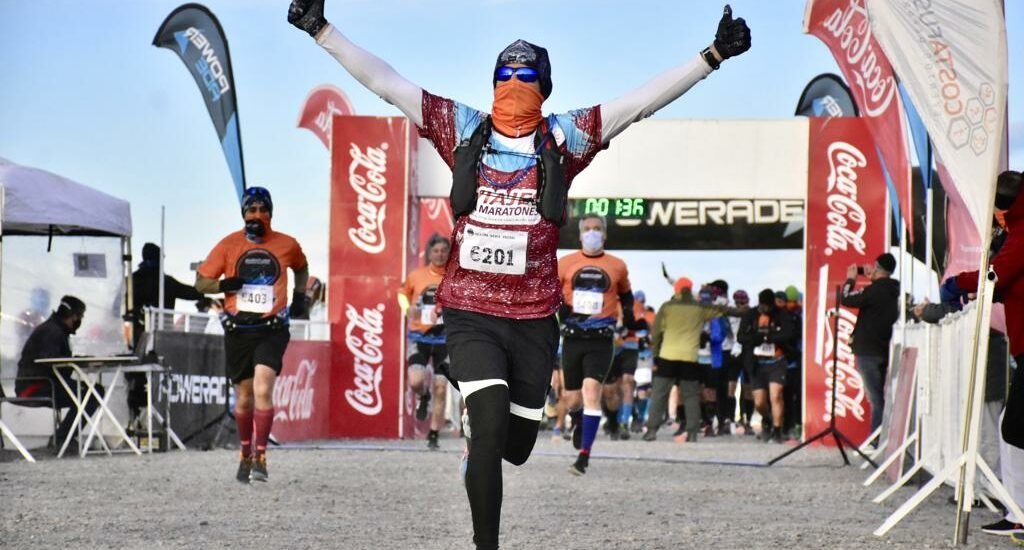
x=170, y=320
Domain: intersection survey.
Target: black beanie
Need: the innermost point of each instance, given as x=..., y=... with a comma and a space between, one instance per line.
x=150, y=252
x=887, y=262
x=766, y=297
x=530, y=55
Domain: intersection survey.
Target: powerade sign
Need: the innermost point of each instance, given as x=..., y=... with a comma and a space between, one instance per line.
x=697, y=224
x=208, y=65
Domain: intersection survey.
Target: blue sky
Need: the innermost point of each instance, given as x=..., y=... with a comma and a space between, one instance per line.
x=85, y=95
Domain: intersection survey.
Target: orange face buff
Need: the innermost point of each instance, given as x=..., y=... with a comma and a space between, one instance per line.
x=516, y=109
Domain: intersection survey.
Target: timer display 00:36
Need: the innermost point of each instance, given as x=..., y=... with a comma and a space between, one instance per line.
x=609, y=208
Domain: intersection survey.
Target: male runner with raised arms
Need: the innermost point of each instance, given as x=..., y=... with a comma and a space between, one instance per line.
x=254, y=262
x=500, y=289
x=427, y=348
x=594, y=284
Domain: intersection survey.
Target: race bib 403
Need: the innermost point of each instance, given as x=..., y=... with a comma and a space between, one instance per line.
x=493, y=250
x=255, y=298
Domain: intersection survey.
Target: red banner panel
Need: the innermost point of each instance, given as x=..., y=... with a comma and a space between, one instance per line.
x=302, y=393
x=846, y=224
x=370, y=250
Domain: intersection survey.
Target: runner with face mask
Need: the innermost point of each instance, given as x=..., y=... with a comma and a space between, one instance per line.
x=254, y=262
x=595, y=285
x=501, y=289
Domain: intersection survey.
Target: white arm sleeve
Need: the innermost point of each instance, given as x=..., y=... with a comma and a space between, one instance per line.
x=642, y=102
x=372, y=72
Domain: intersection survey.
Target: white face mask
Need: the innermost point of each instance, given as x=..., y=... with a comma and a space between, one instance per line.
x=593, y=241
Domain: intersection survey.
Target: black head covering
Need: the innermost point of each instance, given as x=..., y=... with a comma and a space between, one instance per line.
x=766, y=297
x=150, y=252
x=887, y=262
x=1007, y=188
x=530, y=55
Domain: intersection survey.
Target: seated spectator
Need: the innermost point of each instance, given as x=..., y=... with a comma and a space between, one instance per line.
x=48, y=340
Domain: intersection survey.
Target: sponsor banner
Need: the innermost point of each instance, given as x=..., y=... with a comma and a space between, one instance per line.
x=846, y=224
x=196, y=389
x=951, y=58
x=692, y=224
x=318, y=111
x=826, y=96
x=370, y=251
x=435, y=217
x=902, y=397
x=302, y=393
x=843, y=26
x=195, y=34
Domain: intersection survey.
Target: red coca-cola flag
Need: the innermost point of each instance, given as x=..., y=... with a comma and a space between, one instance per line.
x=318, y=111
x=302, y=393
x=846, y=224
x=370, y=251
x=844, y=27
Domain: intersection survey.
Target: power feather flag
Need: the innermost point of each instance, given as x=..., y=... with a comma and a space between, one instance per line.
x=193, y=32
x=826, y=96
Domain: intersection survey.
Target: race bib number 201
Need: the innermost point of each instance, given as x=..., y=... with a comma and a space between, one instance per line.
x=255, y=298
x=493, y=250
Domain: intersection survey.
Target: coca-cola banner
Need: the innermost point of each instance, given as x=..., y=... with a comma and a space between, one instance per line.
x=846, y=224
x=844, y=27
x=371, y=199
x=302, y=393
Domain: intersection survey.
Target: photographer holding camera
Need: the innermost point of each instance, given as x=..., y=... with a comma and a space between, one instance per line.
x=879, y=309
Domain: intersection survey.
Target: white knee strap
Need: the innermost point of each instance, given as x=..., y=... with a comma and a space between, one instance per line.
x=469, y=388
x=523, y=412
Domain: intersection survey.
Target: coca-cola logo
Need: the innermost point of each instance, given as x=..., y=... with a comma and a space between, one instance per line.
x=871, y=73
x=363, y=339
x=847, y=221
x=850, y=394
x=367, y=174
x=293, y=393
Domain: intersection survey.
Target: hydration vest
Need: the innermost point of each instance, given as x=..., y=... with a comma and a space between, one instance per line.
x=552, y=188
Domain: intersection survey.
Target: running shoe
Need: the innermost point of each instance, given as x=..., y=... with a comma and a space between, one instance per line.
x=1003, y=528
x=432, y=443
x=259, y=468
x=624, y=433
x=650, y=435
x=776, y=435
x=579, y=467
x=613, y=431
x=244, y=467
x=567, y=434
x=681, y=438
x=423, y=406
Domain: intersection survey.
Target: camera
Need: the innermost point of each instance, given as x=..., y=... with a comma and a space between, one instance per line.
x=860, y=270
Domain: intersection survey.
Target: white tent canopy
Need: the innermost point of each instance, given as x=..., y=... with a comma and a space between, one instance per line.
x=38, y=202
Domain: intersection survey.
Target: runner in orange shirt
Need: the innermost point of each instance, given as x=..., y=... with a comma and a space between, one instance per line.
x=254, y=263
x=594, y=285
x=427, y=347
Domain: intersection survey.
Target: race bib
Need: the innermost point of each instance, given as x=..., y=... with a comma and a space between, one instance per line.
x=587, y=302
x=255, y=298
x=427, y=314
x=493, y=250
x=765, y=350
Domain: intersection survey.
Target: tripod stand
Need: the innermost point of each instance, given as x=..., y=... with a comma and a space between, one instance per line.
x=832, y=430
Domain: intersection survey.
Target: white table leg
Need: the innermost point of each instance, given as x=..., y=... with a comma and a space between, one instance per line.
x=113, y=419
x=17, y=444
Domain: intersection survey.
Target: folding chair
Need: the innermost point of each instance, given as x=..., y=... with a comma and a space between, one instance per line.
x=45, y=400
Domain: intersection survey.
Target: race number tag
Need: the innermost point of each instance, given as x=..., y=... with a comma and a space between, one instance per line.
x=493, y=250
x=255, y=298
x=427, y=314
x=765, y=350
x=587, y=302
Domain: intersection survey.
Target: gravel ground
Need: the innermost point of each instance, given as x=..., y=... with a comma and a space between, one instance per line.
x=637, y=495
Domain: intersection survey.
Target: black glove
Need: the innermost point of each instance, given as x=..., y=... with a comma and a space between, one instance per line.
x=231, y=284
x=308, y=15
x=733, y=36
x=300, y=306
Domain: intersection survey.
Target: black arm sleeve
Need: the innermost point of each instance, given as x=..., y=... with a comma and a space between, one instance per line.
x=785, y=334
x=179, y=290
x=628, y=319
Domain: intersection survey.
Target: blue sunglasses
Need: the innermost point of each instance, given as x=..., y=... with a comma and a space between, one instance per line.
x=524, y=74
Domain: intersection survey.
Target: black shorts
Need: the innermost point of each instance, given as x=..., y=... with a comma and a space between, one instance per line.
x=732, y=367
x=518, y=351
x=769, y=373
x=586, y=358
x=678, y=370
x=624, y=363
x=436, y=355
x=247, y=348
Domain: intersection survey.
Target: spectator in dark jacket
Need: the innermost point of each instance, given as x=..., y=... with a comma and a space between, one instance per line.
x=770, y=334
x=48, y=340
x=146, y=289
x=879, y=310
